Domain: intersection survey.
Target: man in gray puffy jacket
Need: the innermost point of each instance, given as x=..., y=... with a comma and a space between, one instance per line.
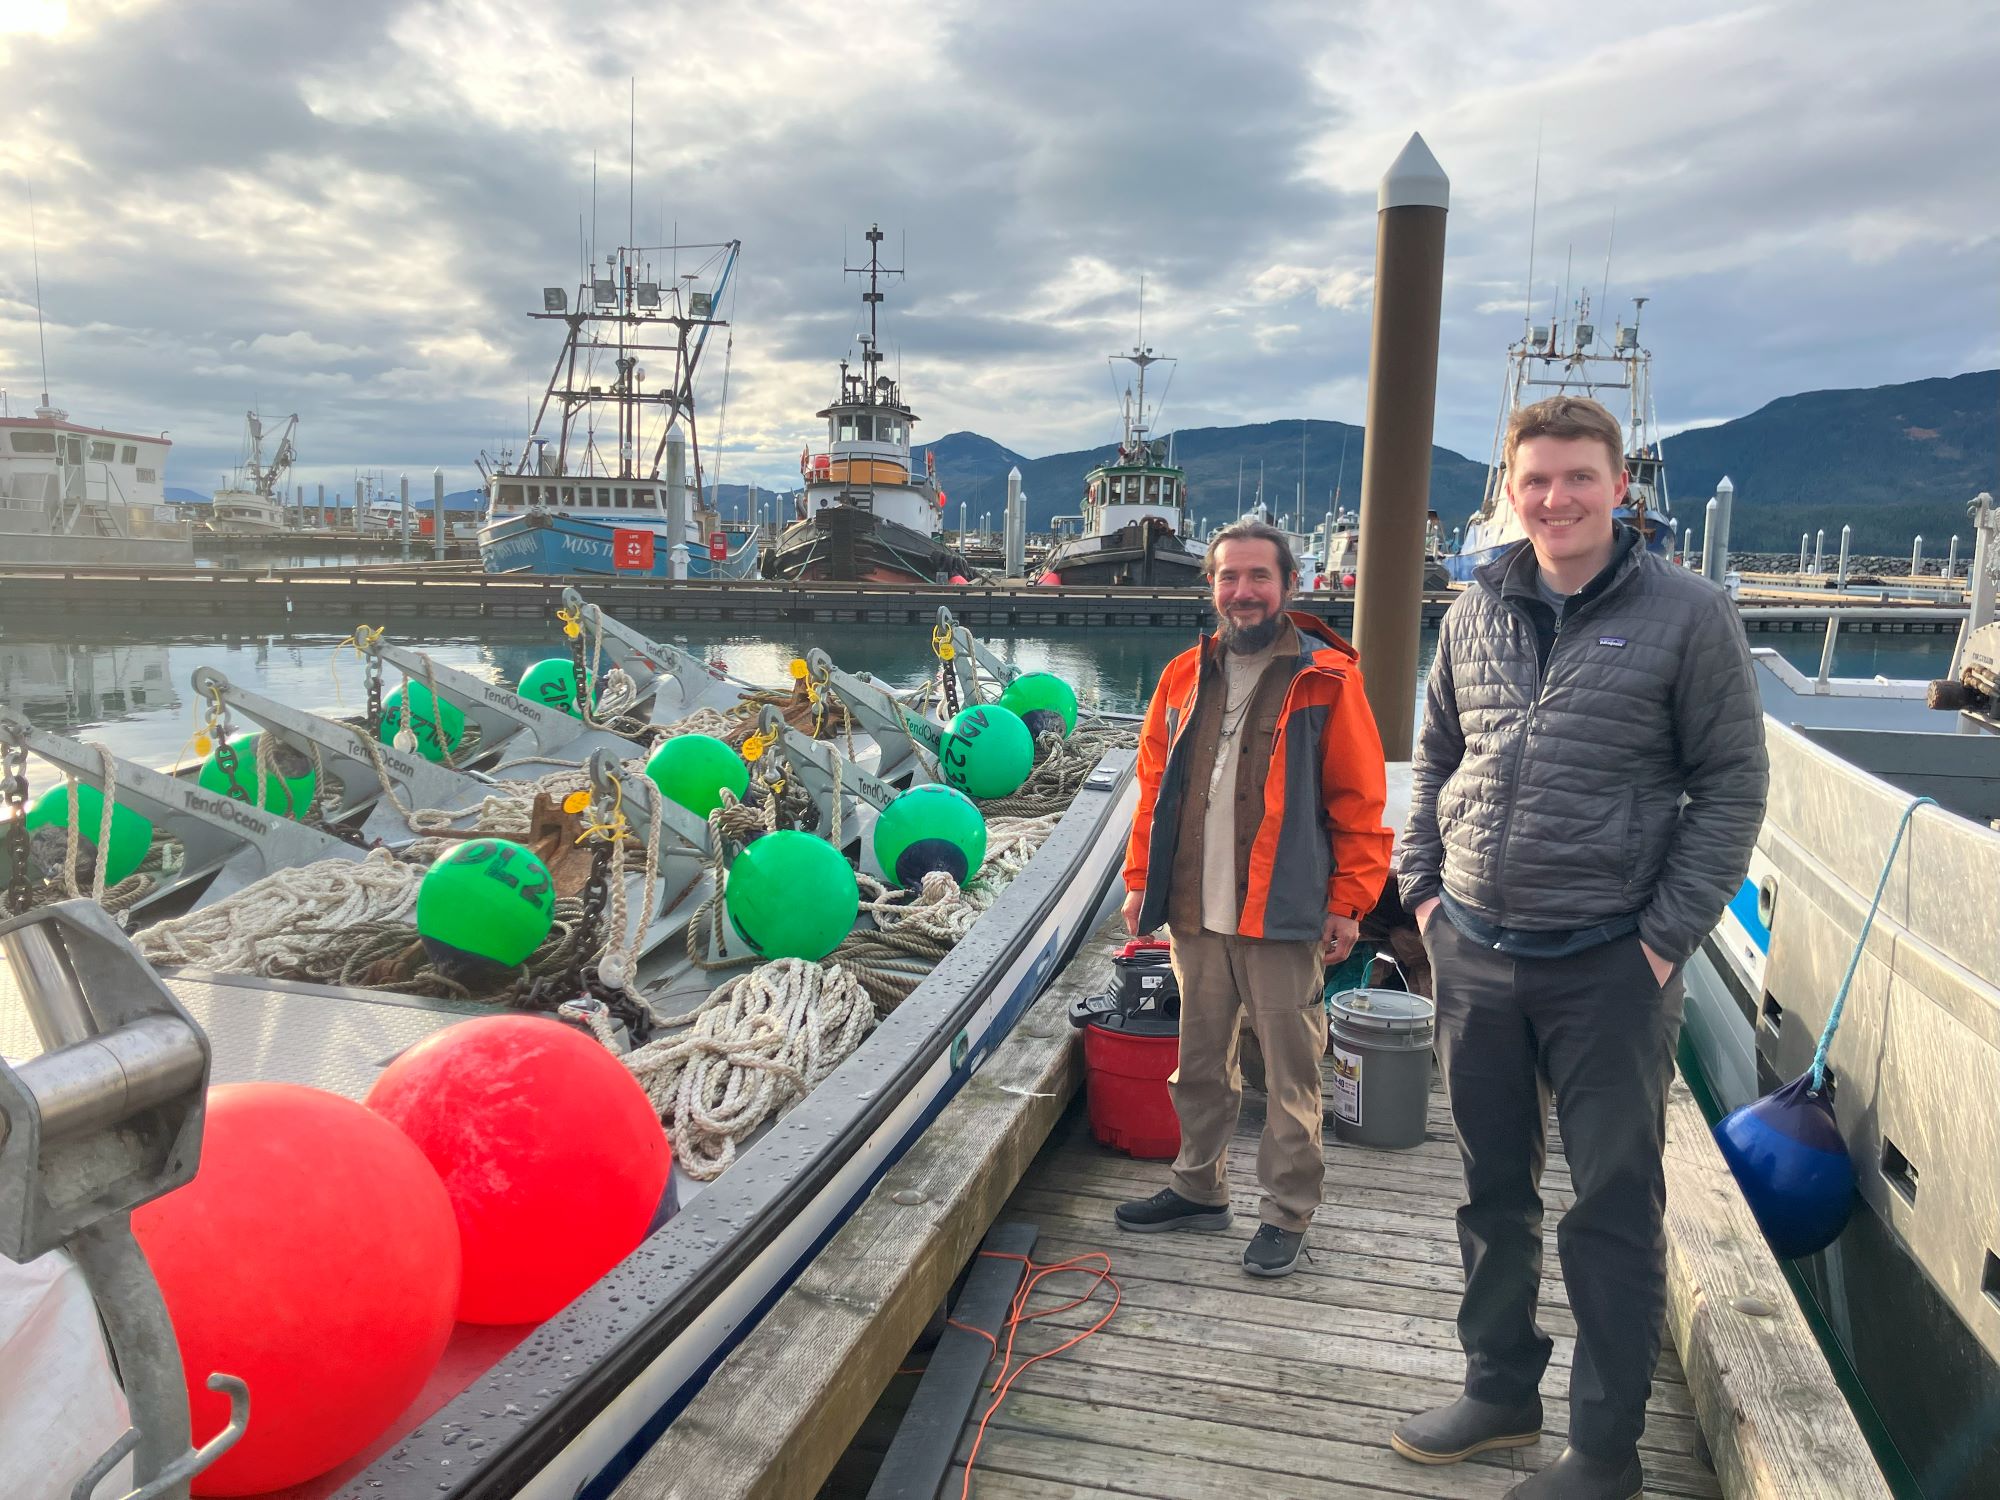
x=1588, y=784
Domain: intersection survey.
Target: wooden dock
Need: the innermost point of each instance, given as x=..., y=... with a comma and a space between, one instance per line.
x=1208, y=1384
x=450, y=592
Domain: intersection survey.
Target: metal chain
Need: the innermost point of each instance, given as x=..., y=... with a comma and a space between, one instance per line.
x=371, y=676
x=14, y=792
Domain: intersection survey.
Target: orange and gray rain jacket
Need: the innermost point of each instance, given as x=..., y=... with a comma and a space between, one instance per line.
x=1320, y=844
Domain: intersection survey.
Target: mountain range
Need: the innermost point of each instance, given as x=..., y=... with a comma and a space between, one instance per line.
x=1891, y=461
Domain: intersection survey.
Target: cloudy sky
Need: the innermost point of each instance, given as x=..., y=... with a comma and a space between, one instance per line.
x=346, y=209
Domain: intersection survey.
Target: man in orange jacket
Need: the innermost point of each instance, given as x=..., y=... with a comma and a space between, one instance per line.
x=1259, y=842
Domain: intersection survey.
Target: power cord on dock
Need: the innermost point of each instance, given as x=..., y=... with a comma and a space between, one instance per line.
x=1017, y=1315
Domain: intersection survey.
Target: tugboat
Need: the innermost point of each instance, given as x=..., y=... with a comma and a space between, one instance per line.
x=863, y=517
x=1132, y=507
x=1570, y=359
x=591, y=498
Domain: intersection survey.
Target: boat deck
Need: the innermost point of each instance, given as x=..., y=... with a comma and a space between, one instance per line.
x=1210, y=1383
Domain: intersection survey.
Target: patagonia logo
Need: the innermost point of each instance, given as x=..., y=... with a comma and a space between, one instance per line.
x=1611, y=640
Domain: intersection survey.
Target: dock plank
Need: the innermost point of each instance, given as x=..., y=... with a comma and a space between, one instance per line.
x=1775, y=1421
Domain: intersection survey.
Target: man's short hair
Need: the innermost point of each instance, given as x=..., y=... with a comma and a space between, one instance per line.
x=1252, y=531
x=1566, y=417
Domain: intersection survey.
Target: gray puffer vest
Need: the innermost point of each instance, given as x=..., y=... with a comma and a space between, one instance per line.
x=1552, y=800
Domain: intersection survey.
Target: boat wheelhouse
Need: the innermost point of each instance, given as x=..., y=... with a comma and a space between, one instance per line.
x=76, y=494
x=1571, y=358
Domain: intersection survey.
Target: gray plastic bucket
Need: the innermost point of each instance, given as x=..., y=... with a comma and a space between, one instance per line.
x=1381, y=1054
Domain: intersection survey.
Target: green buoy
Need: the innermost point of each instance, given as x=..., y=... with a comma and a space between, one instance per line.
x=484, y=907
x=1041, y=699
x=791, y=895
x=552, y=683
x=693, y=770
x=131, y=835
x=424, y=723
x=289, y=792
x=930, y=828
x=987, y=751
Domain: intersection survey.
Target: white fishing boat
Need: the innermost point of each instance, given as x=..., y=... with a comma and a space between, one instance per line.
x=1911, y=1290
x=1577, y=358
x=252, y=502
x=76, y=494
x=567, y=1406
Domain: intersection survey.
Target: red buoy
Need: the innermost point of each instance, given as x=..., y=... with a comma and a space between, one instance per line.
x=314, y=1256
x=551, y=1154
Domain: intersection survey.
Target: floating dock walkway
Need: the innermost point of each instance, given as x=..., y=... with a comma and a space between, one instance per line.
x=1207, y=1384
x=445, y=592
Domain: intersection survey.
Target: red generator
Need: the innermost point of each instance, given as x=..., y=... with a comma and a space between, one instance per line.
x=1131, y=1046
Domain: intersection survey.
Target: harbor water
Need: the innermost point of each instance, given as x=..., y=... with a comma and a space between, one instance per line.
x=131, y=692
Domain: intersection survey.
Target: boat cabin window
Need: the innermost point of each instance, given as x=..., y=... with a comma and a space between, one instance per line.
x=510, y=494
x=73, y=450
x=889, y=430
x=1152, y=489
x=34, y=442
x=130, y=455
x=101, y=453
x=620, y=500
x=534, y=494
x=864, y=429
x=844, y=430
x=148, y=476
x=644, y=500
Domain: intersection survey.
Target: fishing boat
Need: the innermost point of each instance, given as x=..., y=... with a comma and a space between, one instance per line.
x=1130, y=529
x=588, y=493
x=1910, y=1292
x=864, y=513
x=568, y=1404
x=1573, y=357
x=76, y=494
x=252, y=503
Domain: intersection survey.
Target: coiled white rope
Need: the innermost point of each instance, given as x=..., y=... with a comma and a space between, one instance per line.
x=761, y=1042
x=273, y=924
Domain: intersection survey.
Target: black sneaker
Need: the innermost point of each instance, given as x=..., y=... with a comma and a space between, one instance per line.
x=1578, y=1476
x=1166, y=1210
x=1273, y=1251
x=1453, y=1433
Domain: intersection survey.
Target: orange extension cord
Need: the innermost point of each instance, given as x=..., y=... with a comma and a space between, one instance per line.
x=1017, y=1314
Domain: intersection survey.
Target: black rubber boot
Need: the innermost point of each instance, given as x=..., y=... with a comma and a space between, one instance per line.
x=1578, y=1476
x=1451, y=1434
x=1166, y=1210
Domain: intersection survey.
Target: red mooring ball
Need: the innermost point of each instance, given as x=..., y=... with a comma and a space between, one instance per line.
x=553, y=1158
x=314, y=1256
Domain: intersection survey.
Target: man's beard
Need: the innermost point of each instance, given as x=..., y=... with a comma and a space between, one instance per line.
x=1246, y=640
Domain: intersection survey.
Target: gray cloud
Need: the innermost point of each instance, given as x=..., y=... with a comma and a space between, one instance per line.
x=346, y=210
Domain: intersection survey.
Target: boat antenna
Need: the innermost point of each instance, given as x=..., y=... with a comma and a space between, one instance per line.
x=35, y=250
x=1610, y=239
x=631, y=158
x=1534, y=213
x=1346, y=432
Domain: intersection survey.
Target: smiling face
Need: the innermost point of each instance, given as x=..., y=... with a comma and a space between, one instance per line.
x=1249, y=588
x=1564, y=490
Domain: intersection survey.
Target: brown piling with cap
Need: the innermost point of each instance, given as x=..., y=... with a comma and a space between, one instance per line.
x=1396, y=453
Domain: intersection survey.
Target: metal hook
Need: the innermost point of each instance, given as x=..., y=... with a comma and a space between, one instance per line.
x=189, y=1464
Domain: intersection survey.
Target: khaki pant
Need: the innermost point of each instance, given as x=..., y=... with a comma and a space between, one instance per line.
x=1278, y=984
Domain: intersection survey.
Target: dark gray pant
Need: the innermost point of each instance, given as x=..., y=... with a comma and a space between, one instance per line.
x=1599, y=1031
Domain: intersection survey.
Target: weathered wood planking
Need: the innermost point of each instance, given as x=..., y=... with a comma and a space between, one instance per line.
x=1776, y=1423
x=776, y=1416
x=1208, y=1384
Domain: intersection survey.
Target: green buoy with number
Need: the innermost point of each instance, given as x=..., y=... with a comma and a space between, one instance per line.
x=131, y=835
x=693, y=770
x=484, y=907
x=791, y=895
x=930, y=828
x=552, y=683
x=424, y=723
x=288, y=791
x=1044, y=702
x=987, y=751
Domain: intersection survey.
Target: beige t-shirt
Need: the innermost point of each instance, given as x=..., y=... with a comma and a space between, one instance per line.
x=1221, y=905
